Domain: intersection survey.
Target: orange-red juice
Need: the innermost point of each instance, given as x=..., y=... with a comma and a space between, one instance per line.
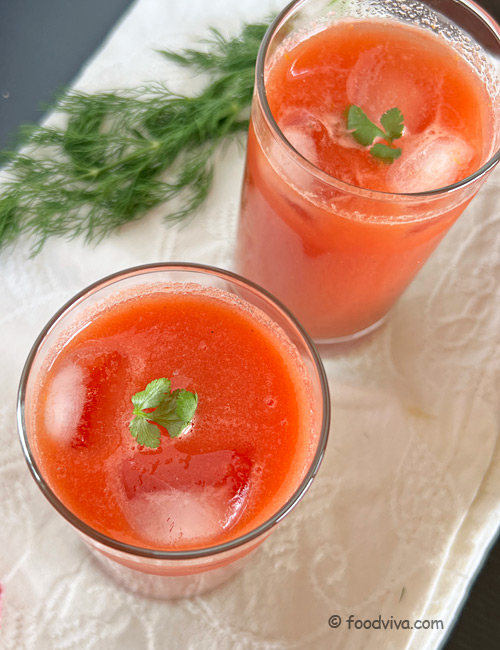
x=339, y=257
x=250, y=443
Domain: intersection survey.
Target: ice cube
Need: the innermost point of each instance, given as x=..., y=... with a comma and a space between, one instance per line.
x=322, y=139
x=179, y=499
x=179, y=517
x=301, y=129
x=377, y=83
x=302, y=141
x=434, y=159
x=65, y=403
x=304, y=130
x=78, y=397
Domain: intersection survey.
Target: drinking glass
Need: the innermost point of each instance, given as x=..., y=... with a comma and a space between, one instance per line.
x=338, y=255
x=161, y=573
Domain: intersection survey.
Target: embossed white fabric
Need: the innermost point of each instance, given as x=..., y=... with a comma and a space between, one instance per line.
x=408, y=497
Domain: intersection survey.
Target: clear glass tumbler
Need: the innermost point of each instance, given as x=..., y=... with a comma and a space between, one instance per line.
x=337, y=254
x=174, y=573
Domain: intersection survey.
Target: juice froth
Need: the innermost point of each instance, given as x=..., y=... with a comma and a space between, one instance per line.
x=249, y=444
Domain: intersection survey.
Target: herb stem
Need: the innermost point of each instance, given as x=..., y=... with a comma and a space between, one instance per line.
x=95, y=172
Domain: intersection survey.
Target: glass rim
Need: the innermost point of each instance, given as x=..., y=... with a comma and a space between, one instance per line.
x=308, y=166
x=207, y=551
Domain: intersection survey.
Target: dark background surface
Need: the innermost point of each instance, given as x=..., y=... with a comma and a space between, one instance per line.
x=43, y=45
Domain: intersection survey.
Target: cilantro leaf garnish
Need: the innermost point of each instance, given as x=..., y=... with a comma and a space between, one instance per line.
x=393, y=123
x=385, y=152
x=146, y=433
x=365, y=131
x=186, y=404
x=173, y=410
x=153, y=395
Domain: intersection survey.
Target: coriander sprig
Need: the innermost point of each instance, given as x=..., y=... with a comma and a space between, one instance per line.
x=365, y=131
x=172, y=410
x=123, y=153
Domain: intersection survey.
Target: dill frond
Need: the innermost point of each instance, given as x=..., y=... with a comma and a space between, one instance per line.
x=105, y=168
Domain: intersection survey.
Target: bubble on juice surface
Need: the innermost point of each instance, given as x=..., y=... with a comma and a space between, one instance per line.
x=431, y=160
x=65, y=403
x=380, y=81
x=184, y=499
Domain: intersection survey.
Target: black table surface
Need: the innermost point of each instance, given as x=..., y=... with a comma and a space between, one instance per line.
x=42, y=47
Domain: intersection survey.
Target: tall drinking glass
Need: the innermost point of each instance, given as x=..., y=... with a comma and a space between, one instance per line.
x=333, y=230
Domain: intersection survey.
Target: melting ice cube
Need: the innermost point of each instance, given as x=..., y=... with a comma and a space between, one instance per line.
x=376, y=85
x=176, y=517
x=65, y=403
x=302, y=141
x=431, y=160
x=303, y=129
x=182, y=498
x=77, y=396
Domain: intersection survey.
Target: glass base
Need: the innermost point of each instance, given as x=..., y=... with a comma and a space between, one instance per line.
x=351, y=337
x=169, y=587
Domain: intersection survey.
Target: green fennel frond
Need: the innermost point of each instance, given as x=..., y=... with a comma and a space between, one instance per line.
x=108, y=165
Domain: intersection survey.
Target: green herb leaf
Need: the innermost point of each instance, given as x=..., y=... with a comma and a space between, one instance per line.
x=392, y=121
x=165, y=414
x=146, y=433
x=186, y=405
x=173, y=410
x=153, y=395
x=384, y=152
x=363, y=129
x=176, y=427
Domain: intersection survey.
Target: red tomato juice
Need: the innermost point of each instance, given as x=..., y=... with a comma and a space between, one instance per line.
x=249, y=443
x=337, y=256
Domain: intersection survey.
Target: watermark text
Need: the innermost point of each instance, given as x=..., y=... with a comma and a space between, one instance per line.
x=380, y=623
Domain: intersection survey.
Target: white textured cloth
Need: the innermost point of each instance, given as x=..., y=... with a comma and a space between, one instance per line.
x=408, y=497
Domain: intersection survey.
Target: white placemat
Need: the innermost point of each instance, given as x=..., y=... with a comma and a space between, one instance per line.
x=408, y=497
